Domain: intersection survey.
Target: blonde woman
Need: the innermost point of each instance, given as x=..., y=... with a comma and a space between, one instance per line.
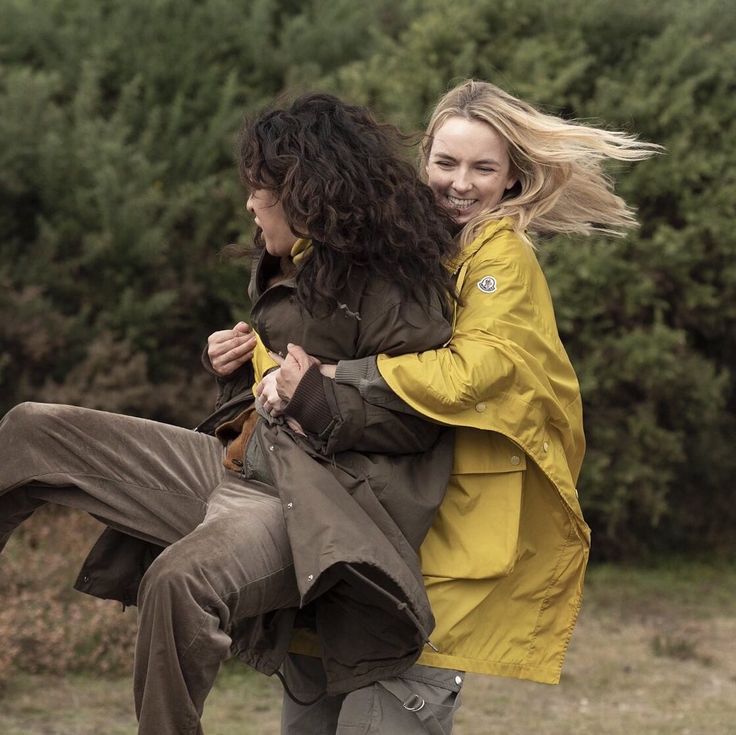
x=505, y=558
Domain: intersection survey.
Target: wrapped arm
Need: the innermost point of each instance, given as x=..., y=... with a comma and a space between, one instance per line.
x=505, y=350
x=364, y=376
x=505, y=342
x=336, y=416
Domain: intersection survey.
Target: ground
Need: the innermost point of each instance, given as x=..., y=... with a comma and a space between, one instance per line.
x=654, y=653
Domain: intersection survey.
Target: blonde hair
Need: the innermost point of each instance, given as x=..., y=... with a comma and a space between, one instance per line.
x=558, y=163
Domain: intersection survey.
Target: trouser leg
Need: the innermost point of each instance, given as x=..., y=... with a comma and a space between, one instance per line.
x=154, y=481
x=305, y=677
x=423, y=701
x=377, y=709
x=235, y=565
x=149, y=479
x=15, y=507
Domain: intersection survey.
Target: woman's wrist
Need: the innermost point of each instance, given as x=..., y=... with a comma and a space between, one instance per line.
x=309, y=404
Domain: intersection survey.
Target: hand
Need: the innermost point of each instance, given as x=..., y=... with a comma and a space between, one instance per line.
x=292, y=370
x=270, y=399
x=229, y=349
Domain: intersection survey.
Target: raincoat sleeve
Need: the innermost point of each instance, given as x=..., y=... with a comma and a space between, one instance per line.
x=505, y=364
x=504, y=369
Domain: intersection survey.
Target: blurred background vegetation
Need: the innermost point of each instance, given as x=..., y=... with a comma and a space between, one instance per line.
x=118, y=189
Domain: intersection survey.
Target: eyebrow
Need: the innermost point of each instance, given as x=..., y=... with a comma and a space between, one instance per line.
x=486, y=161
x=442, y=154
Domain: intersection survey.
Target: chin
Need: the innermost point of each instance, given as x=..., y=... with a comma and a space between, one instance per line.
x=462, y=218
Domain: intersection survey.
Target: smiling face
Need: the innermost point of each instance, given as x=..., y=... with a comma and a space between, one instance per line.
x=269, y=216
x=468, y=168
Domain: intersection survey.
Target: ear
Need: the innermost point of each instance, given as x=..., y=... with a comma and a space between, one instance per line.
x=513, y=176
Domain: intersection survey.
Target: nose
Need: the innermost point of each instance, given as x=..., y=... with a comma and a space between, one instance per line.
x=249, y=204
x=461, y=182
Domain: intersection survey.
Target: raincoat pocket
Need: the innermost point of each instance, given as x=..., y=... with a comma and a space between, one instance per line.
x=476, y=531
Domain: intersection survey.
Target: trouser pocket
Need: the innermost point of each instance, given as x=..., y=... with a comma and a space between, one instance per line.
x=423, y=701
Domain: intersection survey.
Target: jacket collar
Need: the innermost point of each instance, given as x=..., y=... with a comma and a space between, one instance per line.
x=493, y=227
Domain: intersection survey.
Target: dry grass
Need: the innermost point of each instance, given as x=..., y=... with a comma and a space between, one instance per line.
x=654, y=653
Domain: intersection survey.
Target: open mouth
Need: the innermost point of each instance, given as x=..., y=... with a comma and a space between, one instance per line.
x=457, y=203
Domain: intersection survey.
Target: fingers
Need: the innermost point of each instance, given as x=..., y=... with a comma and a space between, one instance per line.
x=223, y=345
x=301, y=357
x=232, y=349
x=276, y=357
x=329, y=371
x=226, y=366
x=268, y=396
x=229, y=349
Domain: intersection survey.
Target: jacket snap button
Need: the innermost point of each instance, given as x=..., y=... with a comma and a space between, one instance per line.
x=458, y=680
x=480, y=407
x=515, y=460
x=310, y=577
x=271, y=448
x=85, y=578
x=290, y=505
x=545, y=446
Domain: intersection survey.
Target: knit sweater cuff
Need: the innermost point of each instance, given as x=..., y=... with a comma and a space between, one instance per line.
x=357, y=372
x=309, y=404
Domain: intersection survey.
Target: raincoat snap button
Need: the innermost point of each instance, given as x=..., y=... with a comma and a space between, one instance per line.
x=545, y=446
x=480, y=407
x=515, y=460
x=458, y=680
x=271, y=448
x=310, y=577
x=290, y=505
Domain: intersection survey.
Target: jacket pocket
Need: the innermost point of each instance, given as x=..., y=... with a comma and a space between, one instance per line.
x=475, y=534
x=235, y=435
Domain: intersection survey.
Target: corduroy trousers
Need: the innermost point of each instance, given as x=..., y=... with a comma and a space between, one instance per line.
x=227, y=554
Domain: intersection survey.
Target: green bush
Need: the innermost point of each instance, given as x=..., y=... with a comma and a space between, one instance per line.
x=117, y=190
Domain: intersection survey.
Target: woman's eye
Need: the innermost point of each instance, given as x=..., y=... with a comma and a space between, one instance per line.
x=443, y=164
x=485, y=170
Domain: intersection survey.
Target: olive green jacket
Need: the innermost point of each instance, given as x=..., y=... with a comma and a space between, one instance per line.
x=358, y=498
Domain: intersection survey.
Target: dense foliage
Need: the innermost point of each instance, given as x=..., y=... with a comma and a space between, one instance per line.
x=117, y=190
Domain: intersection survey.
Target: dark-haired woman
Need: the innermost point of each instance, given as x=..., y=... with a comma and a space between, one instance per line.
x=290, y=524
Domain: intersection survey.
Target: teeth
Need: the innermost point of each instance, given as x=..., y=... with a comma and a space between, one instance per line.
x=460, y=203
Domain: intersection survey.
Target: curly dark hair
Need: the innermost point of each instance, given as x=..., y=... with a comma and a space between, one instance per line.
x=342, y=183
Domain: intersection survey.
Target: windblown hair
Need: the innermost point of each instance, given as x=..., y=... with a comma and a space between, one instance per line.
x=561, y=186
x=341, y=182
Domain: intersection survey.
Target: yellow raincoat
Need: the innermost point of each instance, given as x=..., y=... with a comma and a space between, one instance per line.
x=505, y=559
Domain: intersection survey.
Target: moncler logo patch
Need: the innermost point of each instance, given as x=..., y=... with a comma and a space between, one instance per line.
x=487, y=284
